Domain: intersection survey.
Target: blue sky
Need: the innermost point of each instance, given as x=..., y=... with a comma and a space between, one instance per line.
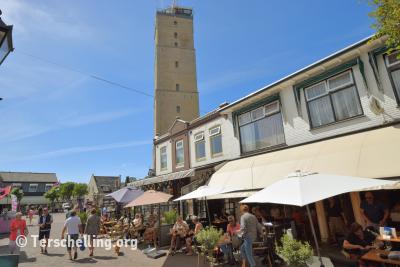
x=56, y=120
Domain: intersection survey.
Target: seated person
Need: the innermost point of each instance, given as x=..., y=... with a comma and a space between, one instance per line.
x=358, y=242
x=275, y=213
x=137, y=222
x=191, y=237
x=179, y=232
x=150, y=234
x=395, y=215
x=229, y=239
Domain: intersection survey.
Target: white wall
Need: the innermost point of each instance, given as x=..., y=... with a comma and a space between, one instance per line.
x=169, y=158
x=230, y=144
x=297, y=128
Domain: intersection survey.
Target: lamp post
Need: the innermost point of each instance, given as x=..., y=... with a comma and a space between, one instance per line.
x=6, y=45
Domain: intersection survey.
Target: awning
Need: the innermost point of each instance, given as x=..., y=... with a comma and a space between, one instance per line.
x=370, y=154
x=164, y=178
x=239, y=194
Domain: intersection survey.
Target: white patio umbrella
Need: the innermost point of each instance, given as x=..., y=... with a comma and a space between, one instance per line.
x=202, y=193
x=301, y=189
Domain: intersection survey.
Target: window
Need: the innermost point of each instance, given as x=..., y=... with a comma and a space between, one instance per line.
x=175, y=35
x=216, y=141
x=175, y=22
x=178, y=109
x=17, y=185
x=229, y=206
x=176, y=44
x=176, y=64
x=200, y=146
x=163, y=158
x=393, y=67
x=105, y=188
x=33, y=187
x=261, y=127
x=48, y=187
x=333, y=100
x=177, y=87
x=179, y=154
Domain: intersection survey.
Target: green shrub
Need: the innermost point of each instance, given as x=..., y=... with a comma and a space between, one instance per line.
x=295, y=253
x=83, y=216
x=208, y=238
x=170, y=216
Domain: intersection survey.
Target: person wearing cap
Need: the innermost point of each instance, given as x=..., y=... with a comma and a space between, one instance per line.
x=17, y=228
x=45, y=221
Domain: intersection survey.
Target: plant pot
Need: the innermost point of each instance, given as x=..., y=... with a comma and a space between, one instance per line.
x=165, y=238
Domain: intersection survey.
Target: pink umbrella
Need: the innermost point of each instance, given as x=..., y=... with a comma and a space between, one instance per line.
x=148, y=198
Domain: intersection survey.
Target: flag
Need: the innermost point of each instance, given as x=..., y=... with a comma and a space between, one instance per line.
x=4, y=192
x=14, y=203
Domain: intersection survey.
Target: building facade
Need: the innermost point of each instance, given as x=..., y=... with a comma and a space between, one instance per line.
x=33, y=185
x=99, y=187
x=175, y=82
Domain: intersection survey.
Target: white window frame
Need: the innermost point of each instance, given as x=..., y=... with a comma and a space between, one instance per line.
x=179, y=144
x=17, y=185
x=161, y=157
x=202, y=141
x=34, y=185
x=248, y=114
x=342, y=85
x=308, y=88
x=278, y=108
x=213, y=128
x=254, y=111
x=198, y=136
x=393, y=64
x=214, y=135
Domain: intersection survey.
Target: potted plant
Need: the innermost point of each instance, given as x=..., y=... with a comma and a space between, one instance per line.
x=83, y=216
x=295, y=253
x=168, y=222
x=208, y=239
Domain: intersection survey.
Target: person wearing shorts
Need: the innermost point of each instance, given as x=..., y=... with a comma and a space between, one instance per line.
x=73, y=227
x=45, y=221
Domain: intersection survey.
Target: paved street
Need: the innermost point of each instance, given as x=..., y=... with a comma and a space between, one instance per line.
x=31, y=256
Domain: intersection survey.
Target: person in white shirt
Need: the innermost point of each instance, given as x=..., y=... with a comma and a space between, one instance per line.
x=73, y=226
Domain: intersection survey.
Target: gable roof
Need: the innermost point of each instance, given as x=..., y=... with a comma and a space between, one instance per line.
x=366, y=41
x=28, y=177
x=111, y=182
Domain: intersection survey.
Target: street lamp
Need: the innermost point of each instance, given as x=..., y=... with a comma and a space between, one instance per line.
x=6, y=45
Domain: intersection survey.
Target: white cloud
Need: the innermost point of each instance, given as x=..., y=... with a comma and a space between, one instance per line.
x=25, y=127
x=83, y=149
x=33, y=17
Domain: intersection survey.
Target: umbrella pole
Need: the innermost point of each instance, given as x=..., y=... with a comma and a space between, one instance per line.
x=314, y=235
x=208, y=212
x=159, y=225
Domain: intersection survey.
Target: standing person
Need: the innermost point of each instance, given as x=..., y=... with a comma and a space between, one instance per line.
x=45, y=221
x=92, y=229
x=249, y=228
x=373, y=212
x=40, y=211
x=17, y=228
x=231, y=231
x=30, y=215
x=73, y=227
x=336, y=219
x=75, y=209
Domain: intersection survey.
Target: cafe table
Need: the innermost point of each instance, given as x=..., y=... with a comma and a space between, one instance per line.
x=374, y=256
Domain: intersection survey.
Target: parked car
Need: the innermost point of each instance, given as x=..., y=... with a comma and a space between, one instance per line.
x=66, y=206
